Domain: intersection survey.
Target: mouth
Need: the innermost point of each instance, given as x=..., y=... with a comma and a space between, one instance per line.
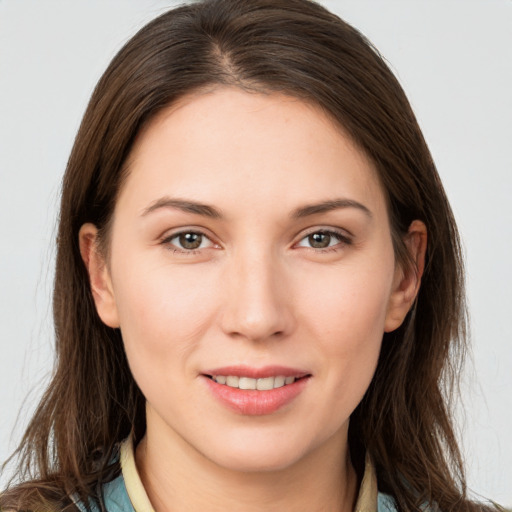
x=255, y=392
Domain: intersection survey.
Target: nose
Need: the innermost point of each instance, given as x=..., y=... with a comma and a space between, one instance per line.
x=257, y=302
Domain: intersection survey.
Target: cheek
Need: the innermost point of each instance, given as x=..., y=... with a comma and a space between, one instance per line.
x=351, y=300
x=347, y=322
x=163, y=312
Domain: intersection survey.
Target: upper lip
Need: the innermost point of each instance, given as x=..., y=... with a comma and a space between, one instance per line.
x=258, y=373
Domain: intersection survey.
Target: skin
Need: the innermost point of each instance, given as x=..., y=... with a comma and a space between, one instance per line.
x=256, y=292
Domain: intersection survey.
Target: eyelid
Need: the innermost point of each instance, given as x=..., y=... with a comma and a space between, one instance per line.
x=169, y=235
x=342, y=235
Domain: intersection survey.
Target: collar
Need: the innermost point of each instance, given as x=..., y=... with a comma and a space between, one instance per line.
x=366, y=501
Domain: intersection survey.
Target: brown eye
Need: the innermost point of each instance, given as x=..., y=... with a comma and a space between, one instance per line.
x=190, y=241
x=187, y=242
x=319, y=240
x=325, y=239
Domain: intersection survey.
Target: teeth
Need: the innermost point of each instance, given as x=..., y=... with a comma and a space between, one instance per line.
x=279, y=381
x=264, y=384
x=247, y=383
x=232, y=381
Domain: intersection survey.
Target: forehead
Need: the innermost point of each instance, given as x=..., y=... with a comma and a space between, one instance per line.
x=249, y=149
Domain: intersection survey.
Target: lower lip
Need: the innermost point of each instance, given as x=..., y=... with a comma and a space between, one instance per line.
x=251, y=402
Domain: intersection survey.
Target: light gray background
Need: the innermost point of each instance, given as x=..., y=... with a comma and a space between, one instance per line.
x=453, y=58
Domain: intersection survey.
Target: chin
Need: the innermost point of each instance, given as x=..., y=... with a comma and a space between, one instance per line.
x=249, y=454
x=256, y=462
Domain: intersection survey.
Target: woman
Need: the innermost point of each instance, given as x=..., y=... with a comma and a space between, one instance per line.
x=247, y=314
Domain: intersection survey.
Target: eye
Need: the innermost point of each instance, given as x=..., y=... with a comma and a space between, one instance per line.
x=323, y=239
x=188, y=241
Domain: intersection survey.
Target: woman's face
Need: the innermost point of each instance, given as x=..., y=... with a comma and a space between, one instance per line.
x=250, y=247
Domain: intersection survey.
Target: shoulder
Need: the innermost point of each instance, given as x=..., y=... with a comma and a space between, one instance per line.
x=115, y=498
x=385, y=503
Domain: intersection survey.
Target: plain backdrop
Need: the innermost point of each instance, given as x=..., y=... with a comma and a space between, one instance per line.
x=454, y=59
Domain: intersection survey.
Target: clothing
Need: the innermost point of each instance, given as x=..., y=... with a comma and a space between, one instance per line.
x=127, y=494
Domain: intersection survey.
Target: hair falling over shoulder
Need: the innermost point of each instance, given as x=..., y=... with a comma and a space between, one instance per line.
x=299, y=48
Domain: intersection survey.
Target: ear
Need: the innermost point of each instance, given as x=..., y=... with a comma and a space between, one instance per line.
x=99, y=275
x=407, y=280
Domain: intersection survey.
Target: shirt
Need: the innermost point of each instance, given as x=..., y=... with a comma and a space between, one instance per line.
x=127, y=494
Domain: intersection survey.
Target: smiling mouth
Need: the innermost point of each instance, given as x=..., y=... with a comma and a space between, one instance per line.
x=262, y=384
x=252, y=391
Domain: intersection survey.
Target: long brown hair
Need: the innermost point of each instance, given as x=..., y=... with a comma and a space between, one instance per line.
x=299, y=48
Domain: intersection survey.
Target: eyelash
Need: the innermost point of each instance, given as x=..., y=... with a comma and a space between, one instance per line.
x=342, y=238
x=167, y=241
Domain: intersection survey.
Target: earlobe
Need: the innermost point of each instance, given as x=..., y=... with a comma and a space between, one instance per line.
x=407, y=279
x=99, y=275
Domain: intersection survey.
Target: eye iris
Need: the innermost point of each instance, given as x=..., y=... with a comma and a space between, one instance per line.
x=190, y=240
x=319, y=240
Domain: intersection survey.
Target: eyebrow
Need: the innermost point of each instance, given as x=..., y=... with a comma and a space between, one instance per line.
x=183, y=205
x=209, y=211
x=327, y=206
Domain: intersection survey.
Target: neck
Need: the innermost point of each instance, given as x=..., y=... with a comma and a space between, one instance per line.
x=177, y=477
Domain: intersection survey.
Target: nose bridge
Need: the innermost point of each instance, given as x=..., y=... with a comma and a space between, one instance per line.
x=255, y=305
